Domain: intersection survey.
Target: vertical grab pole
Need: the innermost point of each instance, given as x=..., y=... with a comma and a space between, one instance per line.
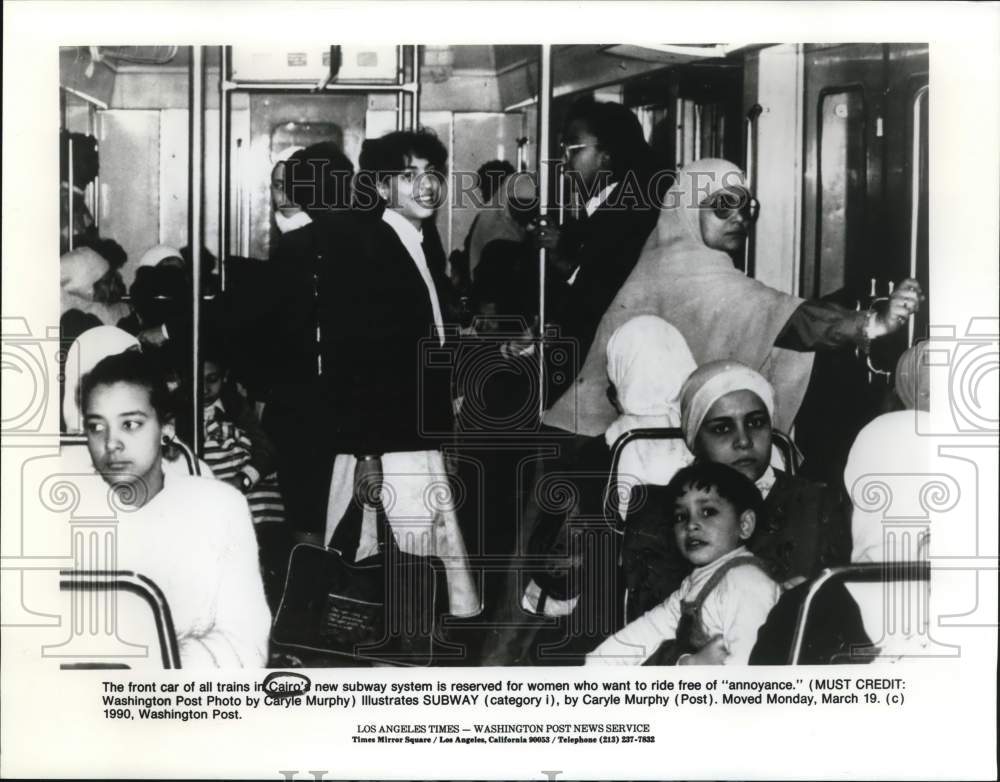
x=69, y=191
x=196, y=226
x=544, y=170
x=223, y=251
x=415, y=97
x=751, y=168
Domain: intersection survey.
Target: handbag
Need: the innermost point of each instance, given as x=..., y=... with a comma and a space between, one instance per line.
x=385, y=608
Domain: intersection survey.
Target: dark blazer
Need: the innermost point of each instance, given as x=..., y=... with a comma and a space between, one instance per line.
x=605, y=248
x=390, y=386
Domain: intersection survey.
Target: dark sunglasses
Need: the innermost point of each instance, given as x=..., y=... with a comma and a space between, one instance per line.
x=726, y=203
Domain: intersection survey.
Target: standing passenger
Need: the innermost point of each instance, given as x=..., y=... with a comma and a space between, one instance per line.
x=391, y=401
x=686, y=276
x=608, y=163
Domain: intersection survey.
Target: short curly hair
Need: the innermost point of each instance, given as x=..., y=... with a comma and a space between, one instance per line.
x=385, y=157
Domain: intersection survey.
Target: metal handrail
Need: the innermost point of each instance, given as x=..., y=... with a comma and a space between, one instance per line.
x=137, y=584
x=866, y=572
x=778, y=439
x=649, y=433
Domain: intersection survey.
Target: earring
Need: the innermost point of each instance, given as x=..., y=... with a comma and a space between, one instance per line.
x=167, y=440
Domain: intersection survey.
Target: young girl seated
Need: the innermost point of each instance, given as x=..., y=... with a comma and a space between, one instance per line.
x=714, y=617
x=192, y=536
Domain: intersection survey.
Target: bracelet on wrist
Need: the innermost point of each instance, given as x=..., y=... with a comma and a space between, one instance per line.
x=866, y=329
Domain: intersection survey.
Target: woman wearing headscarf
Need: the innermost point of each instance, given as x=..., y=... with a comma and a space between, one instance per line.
x=686, y=276
x=912, y=379
x=726, y=414
x=648, y=361
x=859, y=622
x=83, y=273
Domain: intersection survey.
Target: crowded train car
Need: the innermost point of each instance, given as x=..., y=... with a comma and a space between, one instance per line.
x=495, y=355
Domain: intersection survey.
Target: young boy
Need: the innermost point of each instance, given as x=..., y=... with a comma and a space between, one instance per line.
x=236, y=447
x=714, y=617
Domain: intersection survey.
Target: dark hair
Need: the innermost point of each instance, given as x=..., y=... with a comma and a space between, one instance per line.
x=383, y=158
x=491, y=175
x=318, y=178
x=618, y=132
x=85, y=159
x=731, y=485
x=132, y=367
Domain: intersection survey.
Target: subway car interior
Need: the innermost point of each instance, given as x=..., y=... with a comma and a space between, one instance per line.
x=415, y=490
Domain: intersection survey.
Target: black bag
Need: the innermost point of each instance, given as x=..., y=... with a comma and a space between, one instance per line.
x=385, y=608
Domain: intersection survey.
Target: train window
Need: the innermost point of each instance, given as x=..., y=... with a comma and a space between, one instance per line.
x=842, y=178
x=701, y=130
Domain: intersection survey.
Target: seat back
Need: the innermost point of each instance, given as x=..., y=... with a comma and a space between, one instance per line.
x=89, y=581
x=868, y=572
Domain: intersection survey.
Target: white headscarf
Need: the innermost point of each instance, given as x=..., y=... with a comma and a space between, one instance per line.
x=721, y=313
x=913, y=378
x=157, y=253
x=707, y=385
x=712, y=381
x=648, y=360
x=78, y=271
x=890, y=447
x=888, y=457
x=84, y=354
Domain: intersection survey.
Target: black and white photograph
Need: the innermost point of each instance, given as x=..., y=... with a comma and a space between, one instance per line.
x=403, y=391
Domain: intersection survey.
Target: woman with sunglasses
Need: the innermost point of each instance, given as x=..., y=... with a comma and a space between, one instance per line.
x=686, y=276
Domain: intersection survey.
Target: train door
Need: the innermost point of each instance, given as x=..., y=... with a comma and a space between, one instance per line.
x=865, y=174
x=864, y=220
x=273, y=126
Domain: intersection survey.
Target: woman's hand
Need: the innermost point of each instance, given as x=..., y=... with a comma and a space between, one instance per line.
x=712, y=653
x=903, y=302
x=368, y=480
x=544, y=234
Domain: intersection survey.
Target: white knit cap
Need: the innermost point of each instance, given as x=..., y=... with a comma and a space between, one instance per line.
x=160, y=252
x=712, y=381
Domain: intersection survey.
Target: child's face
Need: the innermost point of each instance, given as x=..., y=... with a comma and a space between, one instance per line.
x=212, y=378
x=707, y=526
x=736, y=432
x=123, y=437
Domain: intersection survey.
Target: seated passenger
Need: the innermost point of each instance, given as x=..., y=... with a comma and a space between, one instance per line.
x=648, y=361
x=890, y=450
x=850, y=622
x=911, y=381
x=192, y=536
x=714, y=617
x=91, y=286
x=726, y=413
x=235, y=445
x=84, y=354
